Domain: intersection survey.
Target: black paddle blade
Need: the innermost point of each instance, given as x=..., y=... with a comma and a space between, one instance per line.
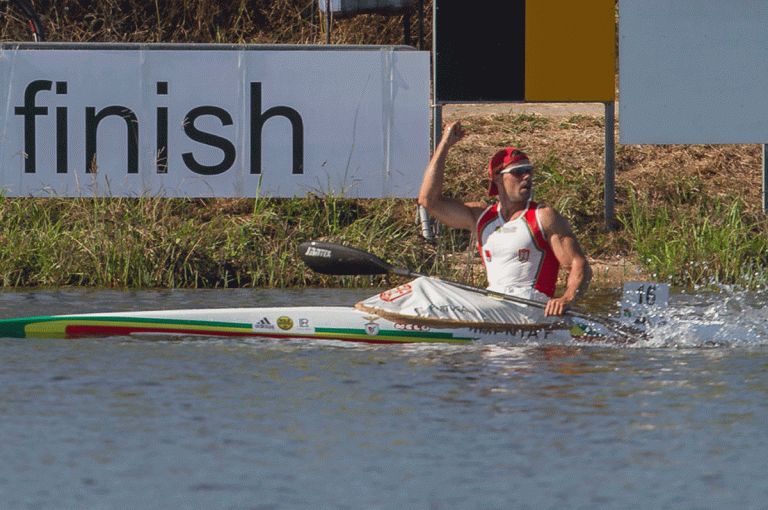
x=331, y=258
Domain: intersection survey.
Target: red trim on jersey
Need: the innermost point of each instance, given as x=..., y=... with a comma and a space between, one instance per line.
x=489, y=215
x=546, y=276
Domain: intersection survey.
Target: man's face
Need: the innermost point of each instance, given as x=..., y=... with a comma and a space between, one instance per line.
x=517, y=182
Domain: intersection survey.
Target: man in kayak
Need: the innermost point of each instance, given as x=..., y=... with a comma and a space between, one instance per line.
x=522, y=243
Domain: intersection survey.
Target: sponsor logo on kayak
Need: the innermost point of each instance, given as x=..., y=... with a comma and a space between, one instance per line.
x=318, y=252
x=263, y=324
x=411, y=327
x=523, y=334
x=285, y=323
x=371, y=327
x=396, y=293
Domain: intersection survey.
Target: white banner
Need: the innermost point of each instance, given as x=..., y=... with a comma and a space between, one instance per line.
x=693, y=71
x=241, y=122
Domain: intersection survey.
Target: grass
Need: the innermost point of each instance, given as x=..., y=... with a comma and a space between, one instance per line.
x=201, y=21
x=162, y=242
x=715, y=242
x=688, y=214
x=693, y=239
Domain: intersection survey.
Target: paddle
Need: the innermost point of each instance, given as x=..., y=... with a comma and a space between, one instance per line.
x=336, y=259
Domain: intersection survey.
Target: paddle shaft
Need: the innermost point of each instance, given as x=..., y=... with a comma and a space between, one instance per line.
x=331, y=258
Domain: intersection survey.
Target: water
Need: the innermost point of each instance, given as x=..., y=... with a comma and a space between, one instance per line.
x=678, y=422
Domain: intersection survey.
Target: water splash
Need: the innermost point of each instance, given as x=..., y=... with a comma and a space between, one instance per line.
x=710, y=320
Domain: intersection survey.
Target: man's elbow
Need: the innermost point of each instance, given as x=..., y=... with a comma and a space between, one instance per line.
x=426, y=201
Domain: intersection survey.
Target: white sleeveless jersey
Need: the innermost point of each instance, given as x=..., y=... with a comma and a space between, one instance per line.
x=515, y=253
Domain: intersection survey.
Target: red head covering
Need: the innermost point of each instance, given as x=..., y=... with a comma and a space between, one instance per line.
x=504, y=159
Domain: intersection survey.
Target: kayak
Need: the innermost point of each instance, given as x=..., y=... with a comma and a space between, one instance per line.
x=312, y=322
x=425, y=310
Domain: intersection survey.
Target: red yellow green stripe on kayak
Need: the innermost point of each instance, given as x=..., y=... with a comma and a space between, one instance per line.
x=103, y=326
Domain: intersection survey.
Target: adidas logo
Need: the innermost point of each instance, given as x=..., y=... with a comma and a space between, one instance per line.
x=263, y=324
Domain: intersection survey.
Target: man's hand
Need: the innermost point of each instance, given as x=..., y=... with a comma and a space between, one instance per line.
x=556, y=306
x=453, y=133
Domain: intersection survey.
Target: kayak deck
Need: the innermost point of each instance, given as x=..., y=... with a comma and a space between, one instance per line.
x=317, y=323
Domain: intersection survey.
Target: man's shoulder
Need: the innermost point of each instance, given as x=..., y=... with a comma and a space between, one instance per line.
x=539, y=205
x=548, y=216
x=544, y=208
x=552, y=221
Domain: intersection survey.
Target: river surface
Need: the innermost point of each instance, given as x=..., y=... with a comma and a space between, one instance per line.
x=679, y=421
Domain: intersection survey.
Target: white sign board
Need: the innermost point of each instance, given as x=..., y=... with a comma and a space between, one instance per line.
x=693, y=71
x=241, y=122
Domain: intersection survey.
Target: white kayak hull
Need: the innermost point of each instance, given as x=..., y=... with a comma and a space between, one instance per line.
x=313, y=322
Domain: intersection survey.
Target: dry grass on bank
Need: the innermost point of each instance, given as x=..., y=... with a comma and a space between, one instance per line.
x=202, y=21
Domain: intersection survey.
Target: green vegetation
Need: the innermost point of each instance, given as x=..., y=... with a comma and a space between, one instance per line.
x=163, y=242
x=160, y=242
x=690, y=215
x=714, y=243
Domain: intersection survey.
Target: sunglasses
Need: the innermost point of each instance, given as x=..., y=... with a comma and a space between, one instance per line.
x=519, y=170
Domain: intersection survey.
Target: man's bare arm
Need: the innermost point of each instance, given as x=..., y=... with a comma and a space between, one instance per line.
x=570, y=255
x=449, y=211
